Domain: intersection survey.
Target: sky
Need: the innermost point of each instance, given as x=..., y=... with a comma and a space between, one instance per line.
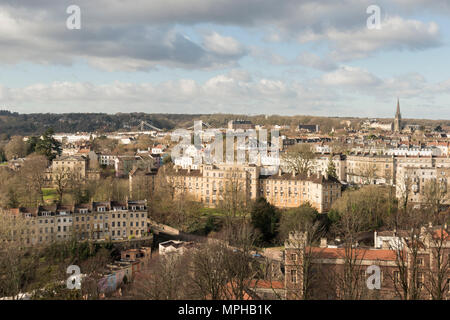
x=287, y=57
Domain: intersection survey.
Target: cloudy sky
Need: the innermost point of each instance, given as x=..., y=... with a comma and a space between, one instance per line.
x=242, y=56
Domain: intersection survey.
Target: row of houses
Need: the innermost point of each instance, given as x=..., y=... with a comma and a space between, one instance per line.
x=216, y=184
x=93, y=221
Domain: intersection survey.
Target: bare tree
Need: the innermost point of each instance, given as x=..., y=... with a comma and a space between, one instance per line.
x=209, y=277
x=299, y=158
x=164, y=278
x=17, y=259
x=437, y=242
x=435, y=194
x=33, y=175
x=233, y=194
x=301, y=230
x=408, y=247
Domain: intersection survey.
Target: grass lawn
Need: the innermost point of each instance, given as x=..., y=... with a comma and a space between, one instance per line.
x=49, y=194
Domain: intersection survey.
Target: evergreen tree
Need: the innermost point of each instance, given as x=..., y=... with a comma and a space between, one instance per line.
x=48, y=146
x=266, y=218
x=331, y=170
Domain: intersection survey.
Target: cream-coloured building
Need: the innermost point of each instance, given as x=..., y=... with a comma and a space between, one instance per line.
x=214, y=184
x=287, y=190
x=417, y=174
x=370, y=169
x=96, y=220
x=74, y=167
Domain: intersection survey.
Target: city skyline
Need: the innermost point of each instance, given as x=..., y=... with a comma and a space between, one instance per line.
x=241, y=57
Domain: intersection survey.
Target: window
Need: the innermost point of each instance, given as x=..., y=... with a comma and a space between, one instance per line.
x=420, y=279
x=294, y=257
x=294, y=276
x=396, y=276
x=420, y=261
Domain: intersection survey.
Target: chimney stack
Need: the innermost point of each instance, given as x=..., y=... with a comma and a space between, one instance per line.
x=323, y=242
x=279, y=171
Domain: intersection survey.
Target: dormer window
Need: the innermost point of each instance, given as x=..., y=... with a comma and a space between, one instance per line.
x=83, y=210
x=101, y=209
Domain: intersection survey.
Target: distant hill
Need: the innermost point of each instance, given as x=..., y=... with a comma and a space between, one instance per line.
x=32, y=124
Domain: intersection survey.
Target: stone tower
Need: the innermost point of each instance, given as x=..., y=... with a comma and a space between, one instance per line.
x=398, y=119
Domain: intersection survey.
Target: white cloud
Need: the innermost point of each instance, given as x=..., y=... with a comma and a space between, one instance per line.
x=349, y=76
x=235, y=92
x=222, y=45
x=312, y=60
x=396, y=33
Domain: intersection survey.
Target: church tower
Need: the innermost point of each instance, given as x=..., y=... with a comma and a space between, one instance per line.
x=398, y=118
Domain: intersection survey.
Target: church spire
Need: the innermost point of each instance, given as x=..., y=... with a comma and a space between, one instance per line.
x=398, y=118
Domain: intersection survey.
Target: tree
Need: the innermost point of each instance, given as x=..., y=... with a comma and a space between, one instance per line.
x=438, y=240
x=408, y=284
x=373, y=202
x=349, y=281
x=233, y=195
x=301, y=228
x=164, y=278
x=48, y=146
x=16, y=148
x=265, y=217
x=33, y=172
x=209, y=277
x=435, y=194
x=2, y=155
x=331, y=170
x=299, y=158
x=63, y=182
x=17, y=260
x=241, y=268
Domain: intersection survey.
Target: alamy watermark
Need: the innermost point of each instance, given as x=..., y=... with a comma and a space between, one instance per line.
x=74, y=281
x=73, y=22
x=238, y=144
x=374, y=20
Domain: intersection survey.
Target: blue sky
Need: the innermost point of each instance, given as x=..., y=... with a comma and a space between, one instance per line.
x=242, y=56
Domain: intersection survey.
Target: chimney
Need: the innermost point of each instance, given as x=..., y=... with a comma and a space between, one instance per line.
x=176, y=168
x=430, y=224
x=309, y=173
x=323, y=242
x=293, y=173
x=189, y=169
x=279, y=171
x=318, y=175
x=375, y=239
x=326, y=175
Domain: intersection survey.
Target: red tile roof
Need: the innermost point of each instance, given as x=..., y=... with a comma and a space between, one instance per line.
x=363, y=254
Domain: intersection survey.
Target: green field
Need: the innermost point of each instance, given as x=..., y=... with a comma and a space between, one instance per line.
x=50, y=194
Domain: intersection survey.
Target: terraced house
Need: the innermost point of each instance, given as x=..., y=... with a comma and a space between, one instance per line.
x=213, y=184
x=94, y=221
